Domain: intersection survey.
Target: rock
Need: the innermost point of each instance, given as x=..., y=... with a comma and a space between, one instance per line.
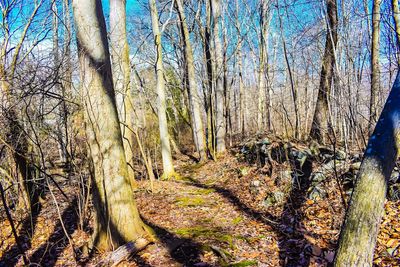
x=394, y=177
x=340, y=155
x=317, y=178
x=255, y=183
x=273, y=198
x=394, y=192
x=317, y=193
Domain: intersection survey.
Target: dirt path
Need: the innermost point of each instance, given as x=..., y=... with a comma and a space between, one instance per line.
x=215, y=215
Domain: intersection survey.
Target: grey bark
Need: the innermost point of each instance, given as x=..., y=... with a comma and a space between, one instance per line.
x=117, y=217
x=220, y=122
x=194, y=100
x=168, y=167
x=361, y=226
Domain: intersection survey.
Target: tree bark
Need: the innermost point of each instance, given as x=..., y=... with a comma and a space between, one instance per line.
x=396, y=17
x=194, y=100
x=360, y=229
x=375, y=69
x=264, y=24
x=320, y=122
x=117, y=217
x=62, y=124
x=168, y=166
x=121, y=74
x=219, y=86
x=242, y=103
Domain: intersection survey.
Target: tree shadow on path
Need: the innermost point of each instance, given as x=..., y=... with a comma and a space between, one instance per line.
x=13, y=255
x=183, y=250
x=48, y=253
x=293, y=245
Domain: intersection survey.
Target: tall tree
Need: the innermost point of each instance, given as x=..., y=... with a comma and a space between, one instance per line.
x=194, y=100
x=14, y=134
x=121, y=74
x=360, y=229
x=168, y=166
x=242, y=102
x=59, y=88
x=264, y=24
x=396, y=17
x=375, y=69
x=220, y=127
x=319, y=127
x=117, y=217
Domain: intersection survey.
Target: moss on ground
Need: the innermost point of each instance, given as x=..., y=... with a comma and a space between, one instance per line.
x=189, y=201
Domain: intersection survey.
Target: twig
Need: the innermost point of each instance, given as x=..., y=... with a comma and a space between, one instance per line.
x=14, y=231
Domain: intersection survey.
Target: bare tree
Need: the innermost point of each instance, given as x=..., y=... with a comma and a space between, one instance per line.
x=320, y=122
x=117, y=218
x=375, y=69
x=121, y=74
x=194, y=100
x=168, y=167
x=220, y=122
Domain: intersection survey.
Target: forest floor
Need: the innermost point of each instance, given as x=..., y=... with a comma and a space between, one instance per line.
x=216, y=214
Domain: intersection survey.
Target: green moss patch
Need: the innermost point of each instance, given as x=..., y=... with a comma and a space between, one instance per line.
x=189, y=201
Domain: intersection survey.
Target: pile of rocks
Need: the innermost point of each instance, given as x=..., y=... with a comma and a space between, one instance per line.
x=308, y=166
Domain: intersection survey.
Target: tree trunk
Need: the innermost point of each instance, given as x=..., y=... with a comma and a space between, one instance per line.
x=375, y=70
x=242, y=103
x=219, y=86
x=61, y=125
x=194, y=100
x=360, y=229
x=209, y=57
x=396, y=17
x=168, y=166
x=121, y=74
x=264, y=24
x=117, y=217
x=319, y=126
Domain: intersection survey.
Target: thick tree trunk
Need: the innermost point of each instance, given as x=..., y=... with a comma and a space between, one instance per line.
x=219, y=86
x=319, y=127
x=194, y=100
x=168, y=166
x=117, y=217
x=121, y=74
x=359, y=232
x=375, y=69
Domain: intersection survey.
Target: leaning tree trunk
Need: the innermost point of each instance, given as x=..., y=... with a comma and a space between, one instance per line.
x=168, y=167
x=194, y=100
x=121, y=74
x=359, y=232
x=219, y=86
x=375, y=76
x=319, y=127
x=117, y=217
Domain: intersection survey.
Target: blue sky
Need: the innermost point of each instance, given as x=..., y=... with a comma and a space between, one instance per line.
x=132, y=7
